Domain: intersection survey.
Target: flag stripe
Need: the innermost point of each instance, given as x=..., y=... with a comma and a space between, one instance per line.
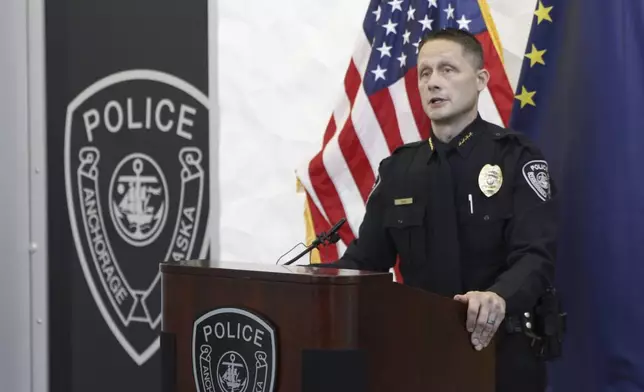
x=329, y=132
x=369, y=131
x=383, y=108
x=343, y=108
x=313, y=191
x=342, y=178
x=361, y=56
x=341, y=248
x=323, y=191
x=403, y=112
x=356, y=160
x=487, y=108
x=499, y=84
x=321, y=182
x=411, y=83
x=344, y=196
x=352, y=83
x=320, y=225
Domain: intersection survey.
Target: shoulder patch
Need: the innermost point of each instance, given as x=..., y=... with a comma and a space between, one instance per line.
x=536, y=174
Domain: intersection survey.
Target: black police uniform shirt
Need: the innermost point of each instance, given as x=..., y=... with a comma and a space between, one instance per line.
x=503, y=217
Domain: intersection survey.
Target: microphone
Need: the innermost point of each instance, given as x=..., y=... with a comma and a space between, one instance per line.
x=323, y=238
x=336, y=227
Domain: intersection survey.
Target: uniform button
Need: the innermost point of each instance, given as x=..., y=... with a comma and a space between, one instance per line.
x=498, y=134
x=486, y=217
x=400, y=221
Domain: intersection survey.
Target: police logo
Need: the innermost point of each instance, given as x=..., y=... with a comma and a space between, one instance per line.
x=136, y=164
x=138, y=199
x=537, y=175
x=233, y=350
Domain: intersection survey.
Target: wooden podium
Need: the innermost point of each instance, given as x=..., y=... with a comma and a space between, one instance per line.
x=230, y=326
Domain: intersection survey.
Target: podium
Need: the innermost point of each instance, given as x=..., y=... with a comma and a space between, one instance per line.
x=260, y=328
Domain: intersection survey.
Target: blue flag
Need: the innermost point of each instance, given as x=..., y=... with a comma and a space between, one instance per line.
x=581, y=98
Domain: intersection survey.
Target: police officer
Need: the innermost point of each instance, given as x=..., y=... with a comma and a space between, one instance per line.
x=470, y=211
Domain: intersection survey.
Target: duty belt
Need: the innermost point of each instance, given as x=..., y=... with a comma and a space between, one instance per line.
x=517, y=324
x=546, y=345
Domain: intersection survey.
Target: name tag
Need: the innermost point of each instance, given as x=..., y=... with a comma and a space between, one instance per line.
x=402, y=202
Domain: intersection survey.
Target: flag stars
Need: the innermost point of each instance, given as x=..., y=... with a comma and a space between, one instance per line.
x=450, y=11
x=463, y=23
x=379, y=73
x=543, y=13
x=377, y=13
x=391, y=27
x=416, y=44
x=526, y=97
x=406, y=37
x=395, y=5
x=403, y=60
x=410, y=14
x=536, y=56
x=427, y=23
x=432, y=3
x=384, y=50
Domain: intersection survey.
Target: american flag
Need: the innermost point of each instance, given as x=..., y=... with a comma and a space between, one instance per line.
x=380, y=107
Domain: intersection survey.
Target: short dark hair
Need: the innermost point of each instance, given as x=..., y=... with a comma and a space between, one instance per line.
x=471, y=46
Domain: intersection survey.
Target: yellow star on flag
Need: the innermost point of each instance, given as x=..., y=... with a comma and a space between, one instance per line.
x=526, y=97
x=543, y=13
x=536, y=56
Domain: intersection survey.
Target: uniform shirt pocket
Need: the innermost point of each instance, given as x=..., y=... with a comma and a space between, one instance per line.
x=406, y=226
x=482, y=230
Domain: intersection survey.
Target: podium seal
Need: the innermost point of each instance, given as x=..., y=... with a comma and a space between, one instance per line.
x=233, y=350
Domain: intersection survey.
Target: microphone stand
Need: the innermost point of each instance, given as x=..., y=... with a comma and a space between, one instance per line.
x=323, y=238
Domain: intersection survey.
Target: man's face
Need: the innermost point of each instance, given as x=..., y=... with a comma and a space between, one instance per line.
x=448, y=82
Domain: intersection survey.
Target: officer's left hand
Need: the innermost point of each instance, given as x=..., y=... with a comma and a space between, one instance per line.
x=485, y=312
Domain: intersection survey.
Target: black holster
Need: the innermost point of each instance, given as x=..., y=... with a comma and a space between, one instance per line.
x=545, y=325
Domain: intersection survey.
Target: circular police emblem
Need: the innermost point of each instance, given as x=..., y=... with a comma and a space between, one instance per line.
x=138, y=199
x=536, y=174
x=136, y=178
x=543, y=180
x=233, y=350
x=232, y=372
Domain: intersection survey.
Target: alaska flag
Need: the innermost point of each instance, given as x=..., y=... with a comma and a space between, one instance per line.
x=581, y=98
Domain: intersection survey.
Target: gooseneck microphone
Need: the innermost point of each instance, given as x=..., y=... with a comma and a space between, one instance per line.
x=323, y=238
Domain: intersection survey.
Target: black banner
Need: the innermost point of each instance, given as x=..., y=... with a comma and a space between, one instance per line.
x=129, y=178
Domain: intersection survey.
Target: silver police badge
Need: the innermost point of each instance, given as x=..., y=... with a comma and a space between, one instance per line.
x=233, y=350
x=537, y=175
x=136, y=164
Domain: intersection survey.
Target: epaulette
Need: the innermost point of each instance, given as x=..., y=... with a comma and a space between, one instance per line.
x=519, y=138
x=498, y=132
x=408, y=145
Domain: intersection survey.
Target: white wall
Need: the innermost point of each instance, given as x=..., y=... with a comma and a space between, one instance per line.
x=281, y=66
x=14, y=230
x=23, y=322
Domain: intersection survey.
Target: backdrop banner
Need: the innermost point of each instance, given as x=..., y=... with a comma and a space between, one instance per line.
x=128, y=156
